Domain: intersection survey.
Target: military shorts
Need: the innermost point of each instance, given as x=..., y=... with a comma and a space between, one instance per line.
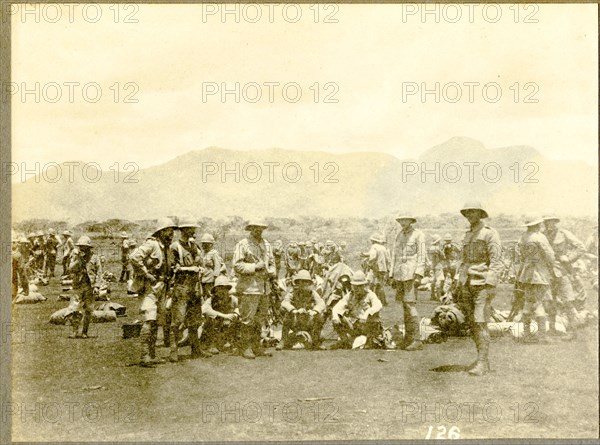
x=254, y=308
x=476, y=301
x=405, y=291
x=186, y=306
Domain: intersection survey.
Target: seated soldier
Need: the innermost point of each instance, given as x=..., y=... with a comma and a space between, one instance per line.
x=221, y=326
x=303, y=308
x=356, y=314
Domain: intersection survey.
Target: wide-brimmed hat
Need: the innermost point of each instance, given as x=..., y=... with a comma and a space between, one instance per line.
x=533, y=221
x=404, y=215
x=551, y=218
x=256, y=223
x=474, y=205
x=187, y=221
x=436, y=239
x=378, y=238
x=302, y=275
x=164, y=223
x=84, y=241
x=67, y=233
x=358, y=278
x=222, y=281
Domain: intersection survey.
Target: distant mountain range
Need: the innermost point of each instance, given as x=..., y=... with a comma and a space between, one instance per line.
x=278, y=182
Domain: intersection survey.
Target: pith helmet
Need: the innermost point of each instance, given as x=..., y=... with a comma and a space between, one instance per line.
x=67, y=233
x=358, y=278
x=186, y=221
x=474, y=205
x=23, y=240
x=39, y=233
x=436, y=239
x=51, y=231
x=447, y=237
x=31, y=235
x=256, y=223
x=405, y=215
x=164, y=223
x=124, y=235
x=302, y=275
x=222, y=281
x=84, y=241
x=207, y=238
x=378, y=238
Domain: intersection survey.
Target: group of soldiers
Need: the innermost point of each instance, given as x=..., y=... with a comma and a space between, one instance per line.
x=185, y=283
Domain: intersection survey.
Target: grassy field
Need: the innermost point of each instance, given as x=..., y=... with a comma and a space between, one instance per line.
x=76, y=390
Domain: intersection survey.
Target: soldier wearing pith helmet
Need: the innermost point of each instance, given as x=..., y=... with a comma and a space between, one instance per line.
x=409, y=255
x=254, y=265
x=213, y=264
x=478, y=276
x=151, y=275
x=187, y=291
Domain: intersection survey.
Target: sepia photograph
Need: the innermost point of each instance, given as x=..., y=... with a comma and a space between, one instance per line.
x=251, y=222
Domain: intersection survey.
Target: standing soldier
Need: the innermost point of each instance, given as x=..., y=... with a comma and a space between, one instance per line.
x=50, y=247
x=151, y=275
x=478, y=276
x=83, y=268
x=186, y=298
x=20, y=255
x=408, y=265
x=124, y=248
x=67, y=247
x=567, y=250
x=437, y=265
x=534, y=277
x=303, y=308
x=212, y=263
x=277, y=254
x=38, y=251
x=380, y=263
x=357, y=313
x=253, y=264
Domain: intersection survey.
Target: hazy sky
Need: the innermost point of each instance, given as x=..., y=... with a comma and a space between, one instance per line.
x=369, y=61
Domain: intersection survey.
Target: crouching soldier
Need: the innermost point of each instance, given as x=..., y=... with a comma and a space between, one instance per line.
x=303, y=312
x=83, y=268
x=151, y=274
x=221, y=327
x=357, y=313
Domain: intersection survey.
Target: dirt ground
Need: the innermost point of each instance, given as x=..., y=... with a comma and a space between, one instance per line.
x=86, y=390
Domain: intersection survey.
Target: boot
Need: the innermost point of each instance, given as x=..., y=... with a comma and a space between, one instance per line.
x=146, y=360
x=482, y=366
x=87, y=315
x=257, y=347
x=477, y=345
x=527, y=336
x=174, y=354
x=542, y=337
x=413, y=341
x=246, y=337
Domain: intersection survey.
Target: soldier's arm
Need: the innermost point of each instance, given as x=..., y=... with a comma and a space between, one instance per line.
x=319, y=305
x=138, y=257
x=92, y=269
x=375, y=304
x=547, y=251
x=270, y=263
x=74, y=262
x=494, y=248
x=287, y=302
x=578, y=248
x=240, y=266
x=217, y=264
x=208, y=310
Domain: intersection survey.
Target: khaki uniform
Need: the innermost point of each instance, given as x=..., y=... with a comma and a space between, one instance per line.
x=253, y=287
x=217, y=331
x=84, y=274
x=354, y=316
x=50, y=251
x=534, y=277
x=565, y=243
x=67, y=247
x=151, y=257
x=213, y=267
x=308, y=300
x=380, y=262
x=19, y=274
